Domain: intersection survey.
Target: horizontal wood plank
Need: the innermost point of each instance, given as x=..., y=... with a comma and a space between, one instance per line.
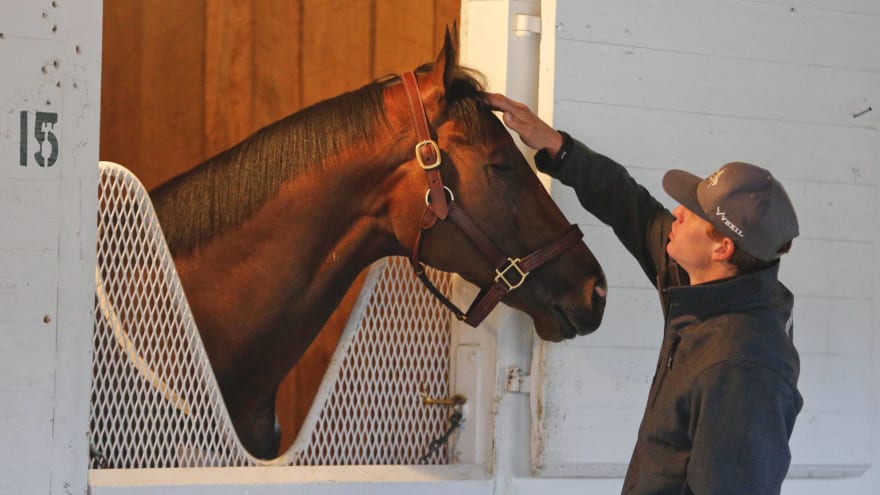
x=708, y=85
x=729, y=29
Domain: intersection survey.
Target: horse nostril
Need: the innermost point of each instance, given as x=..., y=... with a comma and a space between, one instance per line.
x=599, y=294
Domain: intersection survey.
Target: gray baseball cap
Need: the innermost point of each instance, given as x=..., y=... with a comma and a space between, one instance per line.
x=743, y=201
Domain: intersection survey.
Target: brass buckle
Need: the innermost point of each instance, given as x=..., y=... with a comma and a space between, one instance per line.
x=432, y=144
x=501, y=275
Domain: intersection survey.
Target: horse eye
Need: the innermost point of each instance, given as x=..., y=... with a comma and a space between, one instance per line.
x=501, y=167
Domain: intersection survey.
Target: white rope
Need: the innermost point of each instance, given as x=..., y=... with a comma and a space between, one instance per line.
x=125, y=343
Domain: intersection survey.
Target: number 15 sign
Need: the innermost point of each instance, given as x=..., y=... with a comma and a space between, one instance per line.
x=38, y=144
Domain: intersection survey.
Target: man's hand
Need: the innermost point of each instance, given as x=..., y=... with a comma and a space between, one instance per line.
x=533, y=131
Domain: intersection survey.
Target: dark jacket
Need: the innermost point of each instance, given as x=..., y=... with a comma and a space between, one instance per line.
x=724, y=398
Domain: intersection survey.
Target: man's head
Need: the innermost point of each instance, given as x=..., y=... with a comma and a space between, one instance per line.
x=744, y=203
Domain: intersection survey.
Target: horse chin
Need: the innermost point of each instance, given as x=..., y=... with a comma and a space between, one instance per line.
x=557, y=323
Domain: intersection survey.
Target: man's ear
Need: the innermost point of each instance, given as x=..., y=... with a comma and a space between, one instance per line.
x=723, y=249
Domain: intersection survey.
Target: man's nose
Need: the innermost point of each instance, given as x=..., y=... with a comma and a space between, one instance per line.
x=677, y=212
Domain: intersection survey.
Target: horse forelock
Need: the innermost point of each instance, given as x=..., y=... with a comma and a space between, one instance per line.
x=228, y=188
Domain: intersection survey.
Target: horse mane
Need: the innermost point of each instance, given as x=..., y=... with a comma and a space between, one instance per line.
x=226, y=189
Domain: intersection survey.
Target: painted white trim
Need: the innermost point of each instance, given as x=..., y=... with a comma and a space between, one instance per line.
x=618, y=471
x=364, y=480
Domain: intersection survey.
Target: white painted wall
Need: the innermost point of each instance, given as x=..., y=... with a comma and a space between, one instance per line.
x=50, y=56
x=659, y=84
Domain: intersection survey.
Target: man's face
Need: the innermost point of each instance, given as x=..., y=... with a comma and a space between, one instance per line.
x=689, y=241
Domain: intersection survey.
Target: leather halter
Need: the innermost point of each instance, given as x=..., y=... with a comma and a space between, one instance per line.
x=510, y=273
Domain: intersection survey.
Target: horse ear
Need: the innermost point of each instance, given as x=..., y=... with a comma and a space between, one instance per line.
x=447, y=59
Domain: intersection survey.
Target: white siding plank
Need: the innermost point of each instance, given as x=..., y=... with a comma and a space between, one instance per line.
x=870, y=7
x=700, y=143
x=829, y=269
x=616, y=378
x=829, y=212
x=692, y=84
x=822, y=325
x=620, y=377
x=827, y=438
x=834, y=327
x=822, y=383
x=633, y=320
x=663, y=80
x=728, y=28
x=607, y=388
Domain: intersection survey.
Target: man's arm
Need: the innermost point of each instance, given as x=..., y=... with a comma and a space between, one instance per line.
x=742, y=417
x=603, y=186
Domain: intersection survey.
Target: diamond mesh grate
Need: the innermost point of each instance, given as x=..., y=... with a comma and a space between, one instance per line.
x=155, y=402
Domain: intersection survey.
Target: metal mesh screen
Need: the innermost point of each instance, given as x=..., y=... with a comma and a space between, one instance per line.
x=374, y=413
x=155, y=402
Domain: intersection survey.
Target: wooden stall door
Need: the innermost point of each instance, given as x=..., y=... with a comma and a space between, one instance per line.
x=183, y=81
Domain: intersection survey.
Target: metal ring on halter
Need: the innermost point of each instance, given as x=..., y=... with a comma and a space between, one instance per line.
x=451, y=197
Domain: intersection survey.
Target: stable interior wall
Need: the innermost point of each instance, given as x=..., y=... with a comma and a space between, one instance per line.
x=791, y=85
x=183, y=81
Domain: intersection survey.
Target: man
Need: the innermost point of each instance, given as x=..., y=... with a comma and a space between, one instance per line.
x=724, y=398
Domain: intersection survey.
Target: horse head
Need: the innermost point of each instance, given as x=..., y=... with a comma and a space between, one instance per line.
x=471, y=204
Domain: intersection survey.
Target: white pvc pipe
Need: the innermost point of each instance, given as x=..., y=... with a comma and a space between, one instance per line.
x=499, y=39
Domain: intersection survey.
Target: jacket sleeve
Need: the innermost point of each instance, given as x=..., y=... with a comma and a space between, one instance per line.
x=742, y=415
x=606, y=190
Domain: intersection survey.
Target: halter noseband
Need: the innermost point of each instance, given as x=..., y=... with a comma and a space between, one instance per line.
x=510, y=273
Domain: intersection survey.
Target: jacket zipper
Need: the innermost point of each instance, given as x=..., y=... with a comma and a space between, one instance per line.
x=670, y=359
x=671, y=356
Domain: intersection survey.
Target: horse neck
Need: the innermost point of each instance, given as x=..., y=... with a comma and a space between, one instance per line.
x=300, y=251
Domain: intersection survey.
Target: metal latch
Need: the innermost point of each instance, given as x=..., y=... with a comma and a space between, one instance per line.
x=517, y=381
x=453, y=401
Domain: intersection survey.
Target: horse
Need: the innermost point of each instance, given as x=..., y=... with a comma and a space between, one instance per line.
x=268, y=235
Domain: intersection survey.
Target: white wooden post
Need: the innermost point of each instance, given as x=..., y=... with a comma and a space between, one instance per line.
x=501, y=39
x=50, y=95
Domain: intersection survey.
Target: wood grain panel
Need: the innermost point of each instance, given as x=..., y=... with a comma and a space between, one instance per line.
x=404, y=36
x=337, y=41
x=276, y=61
x=172, y=89
x=446, y=12
x=121, y=83
x=229, y=40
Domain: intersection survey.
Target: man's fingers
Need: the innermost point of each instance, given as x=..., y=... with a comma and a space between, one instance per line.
x=510, y=120
x=502, y=103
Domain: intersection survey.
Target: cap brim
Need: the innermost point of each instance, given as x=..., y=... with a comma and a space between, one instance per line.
x=682, y=187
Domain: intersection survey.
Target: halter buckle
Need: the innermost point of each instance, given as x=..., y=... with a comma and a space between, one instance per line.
x=502, y=274
x=434, y=148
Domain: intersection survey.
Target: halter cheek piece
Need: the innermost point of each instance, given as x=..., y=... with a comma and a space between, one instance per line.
x=510, y=273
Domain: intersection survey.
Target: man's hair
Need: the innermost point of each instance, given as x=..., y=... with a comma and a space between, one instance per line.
x=741, y=260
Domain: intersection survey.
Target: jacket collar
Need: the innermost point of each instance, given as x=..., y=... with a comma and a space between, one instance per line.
x=727, y=295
